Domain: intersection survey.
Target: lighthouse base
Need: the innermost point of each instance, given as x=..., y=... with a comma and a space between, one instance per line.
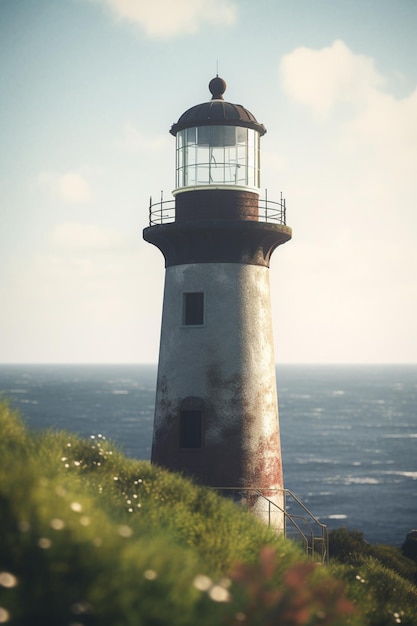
x=268, y=505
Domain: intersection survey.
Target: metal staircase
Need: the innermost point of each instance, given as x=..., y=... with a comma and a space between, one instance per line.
x=298, y=523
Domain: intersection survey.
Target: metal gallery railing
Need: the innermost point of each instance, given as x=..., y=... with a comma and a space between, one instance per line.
x=275, y=212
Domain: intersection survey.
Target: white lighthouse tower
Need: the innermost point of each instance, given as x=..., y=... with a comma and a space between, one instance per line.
x=216, y=411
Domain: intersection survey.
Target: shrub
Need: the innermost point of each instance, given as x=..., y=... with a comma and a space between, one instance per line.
x=296, y=597
x=409, y=547
x=346, y=545
x=350, y=547
x=394, y=559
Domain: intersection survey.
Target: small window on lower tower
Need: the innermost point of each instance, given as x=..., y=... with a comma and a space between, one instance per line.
x=190, y=429
x=193, y=312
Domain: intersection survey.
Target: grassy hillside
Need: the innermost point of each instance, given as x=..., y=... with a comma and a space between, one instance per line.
x=89, y=537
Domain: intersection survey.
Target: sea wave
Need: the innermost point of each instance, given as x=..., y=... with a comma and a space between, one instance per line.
x=361, y=480
x=412, y=475
x=400, y=436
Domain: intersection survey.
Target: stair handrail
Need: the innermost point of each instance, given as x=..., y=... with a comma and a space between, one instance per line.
x=310, y=539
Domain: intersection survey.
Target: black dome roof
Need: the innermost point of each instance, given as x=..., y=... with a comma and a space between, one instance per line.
x=217, y=112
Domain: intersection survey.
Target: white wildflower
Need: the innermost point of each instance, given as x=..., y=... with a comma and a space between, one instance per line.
x=8, y=580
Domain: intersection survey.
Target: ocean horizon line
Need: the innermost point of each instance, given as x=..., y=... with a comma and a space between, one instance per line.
x=155, y=364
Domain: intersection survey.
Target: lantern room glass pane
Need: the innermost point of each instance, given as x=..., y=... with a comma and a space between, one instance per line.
x=241, y=135
x=217, y=155
x=191, y=135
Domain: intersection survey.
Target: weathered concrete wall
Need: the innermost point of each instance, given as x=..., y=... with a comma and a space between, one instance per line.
x=229, y=363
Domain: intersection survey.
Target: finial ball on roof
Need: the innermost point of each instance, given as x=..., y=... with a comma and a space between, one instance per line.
x=217, y=112
x=217, y=88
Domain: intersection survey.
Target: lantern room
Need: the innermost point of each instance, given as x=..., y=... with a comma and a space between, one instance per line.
x=217, y=145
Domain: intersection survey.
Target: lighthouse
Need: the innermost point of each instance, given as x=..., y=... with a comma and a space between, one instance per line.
x=216, y=409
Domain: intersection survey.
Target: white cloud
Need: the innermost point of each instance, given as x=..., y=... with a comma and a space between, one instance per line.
x=388, y=127
x=375, y=132
x=323, y=78
x=168, y=18
x=78, y=236
x=71, y=187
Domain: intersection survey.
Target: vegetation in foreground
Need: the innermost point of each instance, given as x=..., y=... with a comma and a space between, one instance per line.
x=88, y=537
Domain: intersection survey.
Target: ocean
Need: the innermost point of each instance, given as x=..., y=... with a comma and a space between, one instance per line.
x=348, y=432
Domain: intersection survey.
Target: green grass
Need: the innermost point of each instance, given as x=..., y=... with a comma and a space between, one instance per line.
x=89, y=537
x=380, y=579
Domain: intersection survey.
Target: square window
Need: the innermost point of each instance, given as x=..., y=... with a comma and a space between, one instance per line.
x=193, y=309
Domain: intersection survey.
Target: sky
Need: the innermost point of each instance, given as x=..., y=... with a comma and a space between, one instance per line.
x=89, y=91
